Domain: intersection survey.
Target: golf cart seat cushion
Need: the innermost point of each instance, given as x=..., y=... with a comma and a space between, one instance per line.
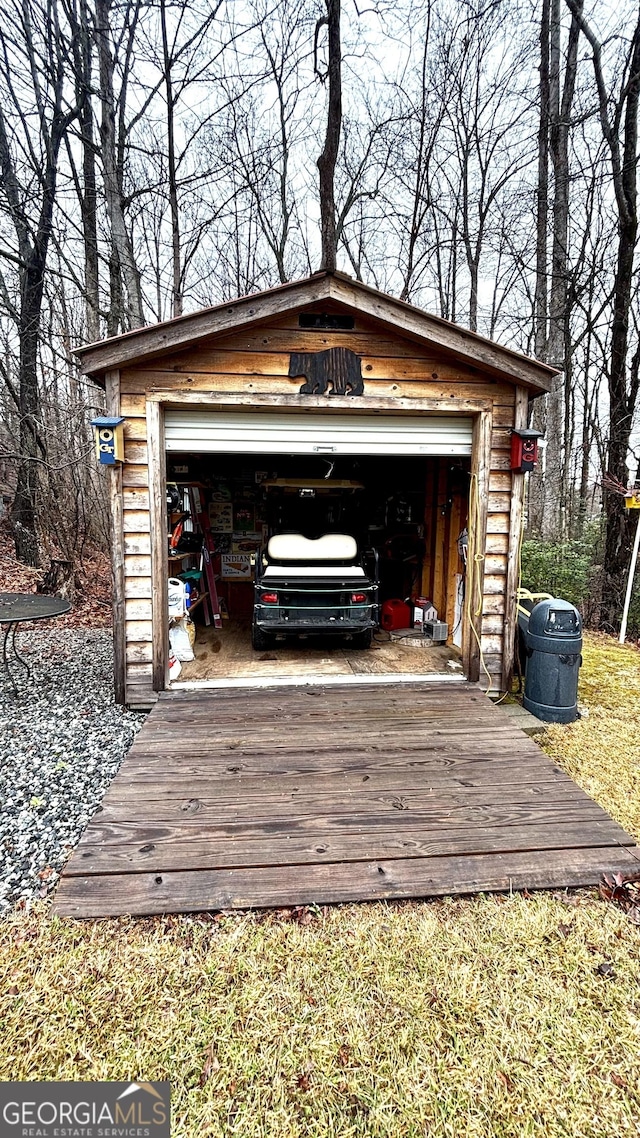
x=345, y=572
x=329, y=547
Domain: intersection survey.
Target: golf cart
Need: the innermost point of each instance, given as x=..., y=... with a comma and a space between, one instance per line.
x=322, y=586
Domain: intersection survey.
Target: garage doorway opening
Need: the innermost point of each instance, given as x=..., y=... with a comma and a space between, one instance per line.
x=410, y=510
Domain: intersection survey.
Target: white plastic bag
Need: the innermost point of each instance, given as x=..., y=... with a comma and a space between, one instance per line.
x=180, y=642
x=175, y=667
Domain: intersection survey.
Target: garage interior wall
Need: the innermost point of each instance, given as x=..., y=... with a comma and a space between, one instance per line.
x=255, y=362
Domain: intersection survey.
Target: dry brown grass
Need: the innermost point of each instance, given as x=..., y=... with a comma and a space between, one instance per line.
x=488, y=1017
x=602, y=752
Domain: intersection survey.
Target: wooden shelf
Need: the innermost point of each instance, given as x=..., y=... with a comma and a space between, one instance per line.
x=194, y=604
x=182, y=556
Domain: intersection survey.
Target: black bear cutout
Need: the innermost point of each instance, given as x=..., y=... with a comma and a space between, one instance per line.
x=336, y=370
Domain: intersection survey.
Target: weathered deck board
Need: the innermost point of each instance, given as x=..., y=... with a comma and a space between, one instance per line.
x=145, y=893
x=126, y=851
x=446, y=793
x=236, y=798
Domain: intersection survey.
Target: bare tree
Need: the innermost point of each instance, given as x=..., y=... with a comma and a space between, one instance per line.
x=265, y=124
x=618, y=113
x=484, y=126
x=35, y=53
x=555, y=347
x=329, y=156
x=180, y=49
x=84, y=174
x=126, y=308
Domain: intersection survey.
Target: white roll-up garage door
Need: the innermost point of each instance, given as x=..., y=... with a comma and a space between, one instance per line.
x=257, y=432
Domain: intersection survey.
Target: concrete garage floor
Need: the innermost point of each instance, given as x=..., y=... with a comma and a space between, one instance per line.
x=227, y=654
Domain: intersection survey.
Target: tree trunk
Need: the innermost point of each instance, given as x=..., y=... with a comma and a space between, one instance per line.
x=328, y=159
x=59, y=580
x=555, y=514
x=542, y=212
x=622, y=395
x=176, y=255
x=619, y=123
x=551, y=528
x=132, y=315
x=473, y=294
x=24, y=510
x=420, y=188
x=621, y=408
x=89, y=200
x=33, y=236
x=536, y=497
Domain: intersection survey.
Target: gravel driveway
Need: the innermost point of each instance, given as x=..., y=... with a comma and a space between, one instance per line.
x=63, y=740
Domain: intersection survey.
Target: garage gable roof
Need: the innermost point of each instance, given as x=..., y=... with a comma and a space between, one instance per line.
x=156, y=340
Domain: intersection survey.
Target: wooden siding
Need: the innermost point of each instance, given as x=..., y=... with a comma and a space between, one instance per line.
x=255, y=362
x=324, y=292
x=138, y=588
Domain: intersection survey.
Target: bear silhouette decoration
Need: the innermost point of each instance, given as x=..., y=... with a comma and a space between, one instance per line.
x=336, y=371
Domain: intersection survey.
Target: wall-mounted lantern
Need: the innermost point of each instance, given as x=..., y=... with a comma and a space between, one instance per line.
x=524, y=449
x=109, y=434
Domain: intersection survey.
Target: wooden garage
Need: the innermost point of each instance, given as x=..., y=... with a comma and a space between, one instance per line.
x=324, y=370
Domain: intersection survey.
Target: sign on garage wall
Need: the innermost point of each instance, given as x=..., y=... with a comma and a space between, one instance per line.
x=235, y=566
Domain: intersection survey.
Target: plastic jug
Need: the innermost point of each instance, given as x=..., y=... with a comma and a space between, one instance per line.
x=395, y=614
x=177, y=597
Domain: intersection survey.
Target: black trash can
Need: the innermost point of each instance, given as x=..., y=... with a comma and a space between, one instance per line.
x=553, y=647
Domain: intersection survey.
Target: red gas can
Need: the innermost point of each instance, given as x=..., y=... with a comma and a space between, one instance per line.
x=395, y=614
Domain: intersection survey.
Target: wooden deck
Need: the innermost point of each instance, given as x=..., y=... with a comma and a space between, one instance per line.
x=242, y=797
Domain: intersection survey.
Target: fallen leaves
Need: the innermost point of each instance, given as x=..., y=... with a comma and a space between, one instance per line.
x=211, y=1064
x=92, y=607
x=506, y=1081
x=299, y=914
x=606, y=969
x=624, y=891
x=303, y=1081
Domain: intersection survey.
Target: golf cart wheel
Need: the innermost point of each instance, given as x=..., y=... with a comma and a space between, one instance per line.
x=260, y=640
x=362, y=640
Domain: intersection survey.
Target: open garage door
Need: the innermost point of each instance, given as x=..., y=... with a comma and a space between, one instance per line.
x=231, y=432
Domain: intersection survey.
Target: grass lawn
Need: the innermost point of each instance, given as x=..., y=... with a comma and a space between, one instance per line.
x=490, y=1016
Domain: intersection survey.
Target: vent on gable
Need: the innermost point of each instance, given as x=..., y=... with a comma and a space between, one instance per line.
x=326, y=321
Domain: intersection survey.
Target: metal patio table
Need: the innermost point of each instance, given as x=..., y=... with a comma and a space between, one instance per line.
x=15, y=609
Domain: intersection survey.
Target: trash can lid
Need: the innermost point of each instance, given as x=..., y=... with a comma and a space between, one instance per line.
x=555, y=618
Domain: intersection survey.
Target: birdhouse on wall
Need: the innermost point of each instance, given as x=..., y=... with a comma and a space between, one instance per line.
x=109, y=434
x=524, y=450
